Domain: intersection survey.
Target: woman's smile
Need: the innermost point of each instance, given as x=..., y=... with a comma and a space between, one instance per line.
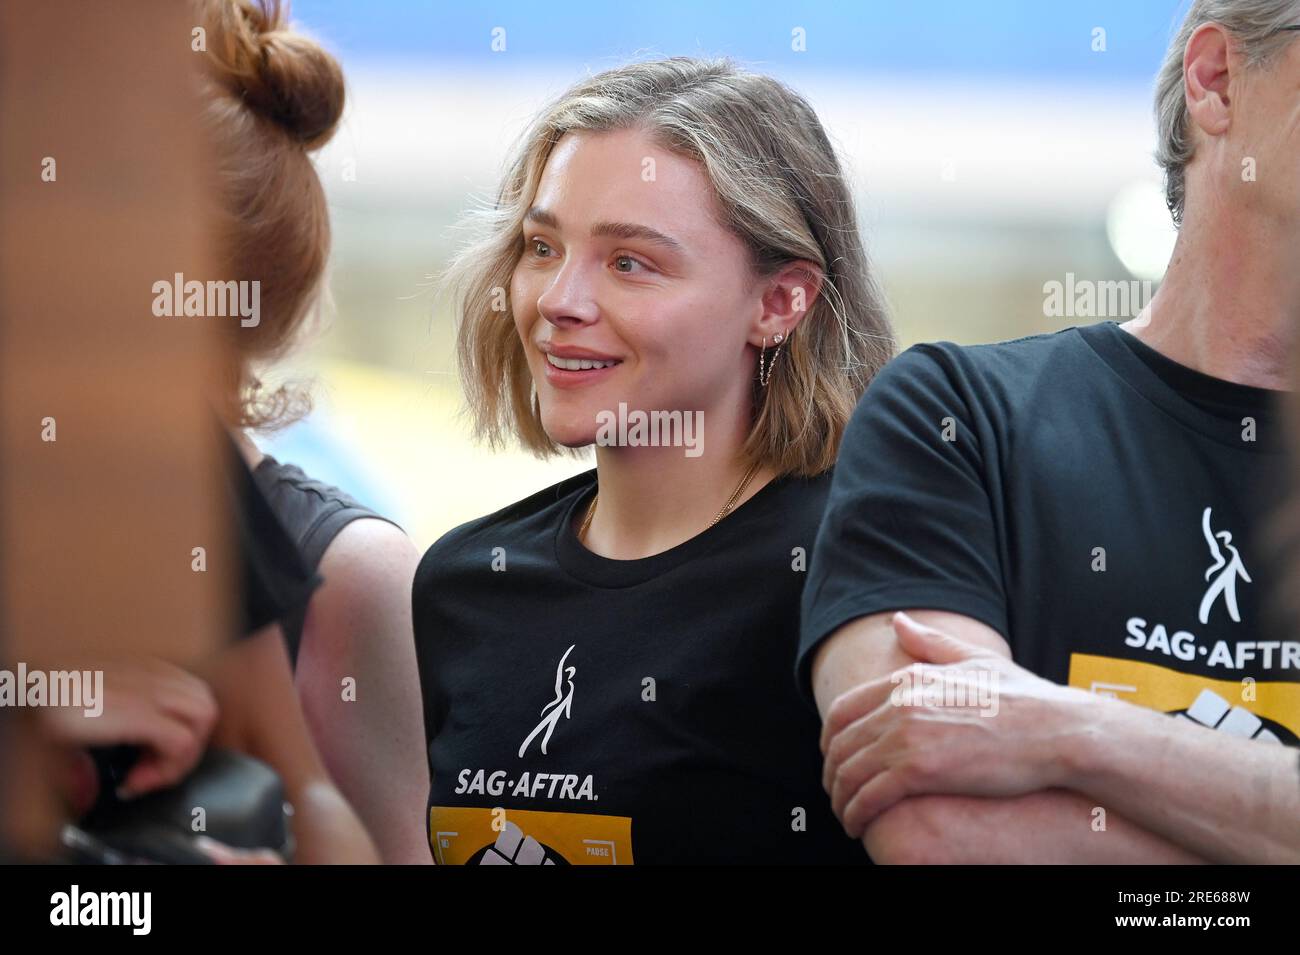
x=571, y=367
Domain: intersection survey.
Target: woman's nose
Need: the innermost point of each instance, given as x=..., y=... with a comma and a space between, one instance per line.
x=570, y=297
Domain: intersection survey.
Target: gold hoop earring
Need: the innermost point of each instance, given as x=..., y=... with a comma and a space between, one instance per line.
x=764, y=367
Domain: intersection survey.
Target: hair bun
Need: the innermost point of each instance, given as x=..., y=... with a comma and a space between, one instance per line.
x=281, y=74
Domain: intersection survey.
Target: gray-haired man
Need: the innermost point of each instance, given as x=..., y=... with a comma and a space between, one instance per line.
x=1091, y=505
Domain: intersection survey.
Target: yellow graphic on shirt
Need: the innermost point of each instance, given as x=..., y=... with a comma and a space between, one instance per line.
x=1264, y=710
x=468, y=836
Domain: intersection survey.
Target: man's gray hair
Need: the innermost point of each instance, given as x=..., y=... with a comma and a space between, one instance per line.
x=1255, y=26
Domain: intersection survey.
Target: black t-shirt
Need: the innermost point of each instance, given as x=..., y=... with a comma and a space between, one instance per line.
x=619, y=711
x=276, y=583
x=1102, y=507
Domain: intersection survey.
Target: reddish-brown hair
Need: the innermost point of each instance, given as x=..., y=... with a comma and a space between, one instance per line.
x=276, y=97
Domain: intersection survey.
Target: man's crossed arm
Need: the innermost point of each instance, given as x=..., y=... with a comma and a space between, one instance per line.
x=1045, y=774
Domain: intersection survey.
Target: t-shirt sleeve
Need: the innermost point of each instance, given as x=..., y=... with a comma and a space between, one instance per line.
x=276, y=582
x=908, y=522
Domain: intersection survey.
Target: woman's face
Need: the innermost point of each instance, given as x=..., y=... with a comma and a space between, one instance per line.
x=628, y=290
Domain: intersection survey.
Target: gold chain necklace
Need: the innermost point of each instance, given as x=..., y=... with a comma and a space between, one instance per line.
x=731, y=502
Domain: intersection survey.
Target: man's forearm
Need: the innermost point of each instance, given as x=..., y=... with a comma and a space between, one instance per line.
x=1051, y=826
x=1222, y=797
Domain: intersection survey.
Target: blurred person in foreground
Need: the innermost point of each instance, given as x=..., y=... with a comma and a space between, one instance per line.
x=276, y=96
x=1034, y=551
x=155, y=719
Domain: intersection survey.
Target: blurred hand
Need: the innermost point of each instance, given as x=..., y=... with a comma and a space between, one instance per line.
x=222, y=854
x=166, y=711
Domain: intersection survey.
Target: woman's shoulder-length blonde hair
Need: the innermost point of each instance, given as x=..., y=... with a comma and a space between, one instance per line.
x=780, y=188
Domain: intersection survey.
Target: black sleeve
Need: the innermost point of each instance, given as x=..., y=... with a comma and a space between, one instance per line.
x=908, y=524
x=276, y=581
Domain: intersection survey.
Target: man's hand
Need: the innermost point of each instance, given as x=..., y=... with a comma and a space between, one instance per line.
x=901, y=735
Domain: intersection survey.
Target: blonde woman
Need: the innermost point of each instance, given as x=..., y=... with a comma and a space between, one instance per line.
x=672, y=272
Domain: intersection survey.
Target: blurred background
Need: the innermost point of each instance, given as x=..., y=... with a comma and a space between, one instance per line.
x=995, y=148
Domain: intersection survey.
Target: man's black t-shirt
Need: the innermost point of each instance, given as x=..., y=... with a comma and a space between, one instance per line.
x=1104, y=508
x=586, y=710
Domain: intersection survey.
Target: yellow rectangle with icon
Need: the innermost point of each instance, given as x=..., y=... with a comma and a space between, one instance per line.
x=474, y=836
x=1265, y=710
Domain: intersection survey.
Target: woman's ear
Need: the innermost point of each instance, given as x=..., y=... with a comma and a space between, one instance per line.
x=788, y=296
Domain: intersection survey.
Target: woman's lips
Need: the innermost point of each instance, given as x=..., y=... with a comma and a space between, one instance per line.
x=566, y=372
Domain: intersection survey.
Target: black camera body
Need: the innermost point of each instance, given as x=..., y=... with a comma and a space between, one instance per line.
x=229, y=797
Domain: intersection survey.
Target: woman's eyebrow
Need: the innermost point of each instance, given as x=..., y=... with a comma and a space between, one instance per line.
x=621, y=230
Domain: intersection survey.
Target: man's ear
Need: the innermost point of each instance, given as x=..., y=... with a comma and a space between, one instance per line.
x=788, y=296
x=1208, y=64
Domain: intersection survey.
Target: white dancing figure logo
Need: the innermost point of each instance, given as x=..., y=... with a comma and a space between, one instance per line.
x=558, y=707
x=1228, y=569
